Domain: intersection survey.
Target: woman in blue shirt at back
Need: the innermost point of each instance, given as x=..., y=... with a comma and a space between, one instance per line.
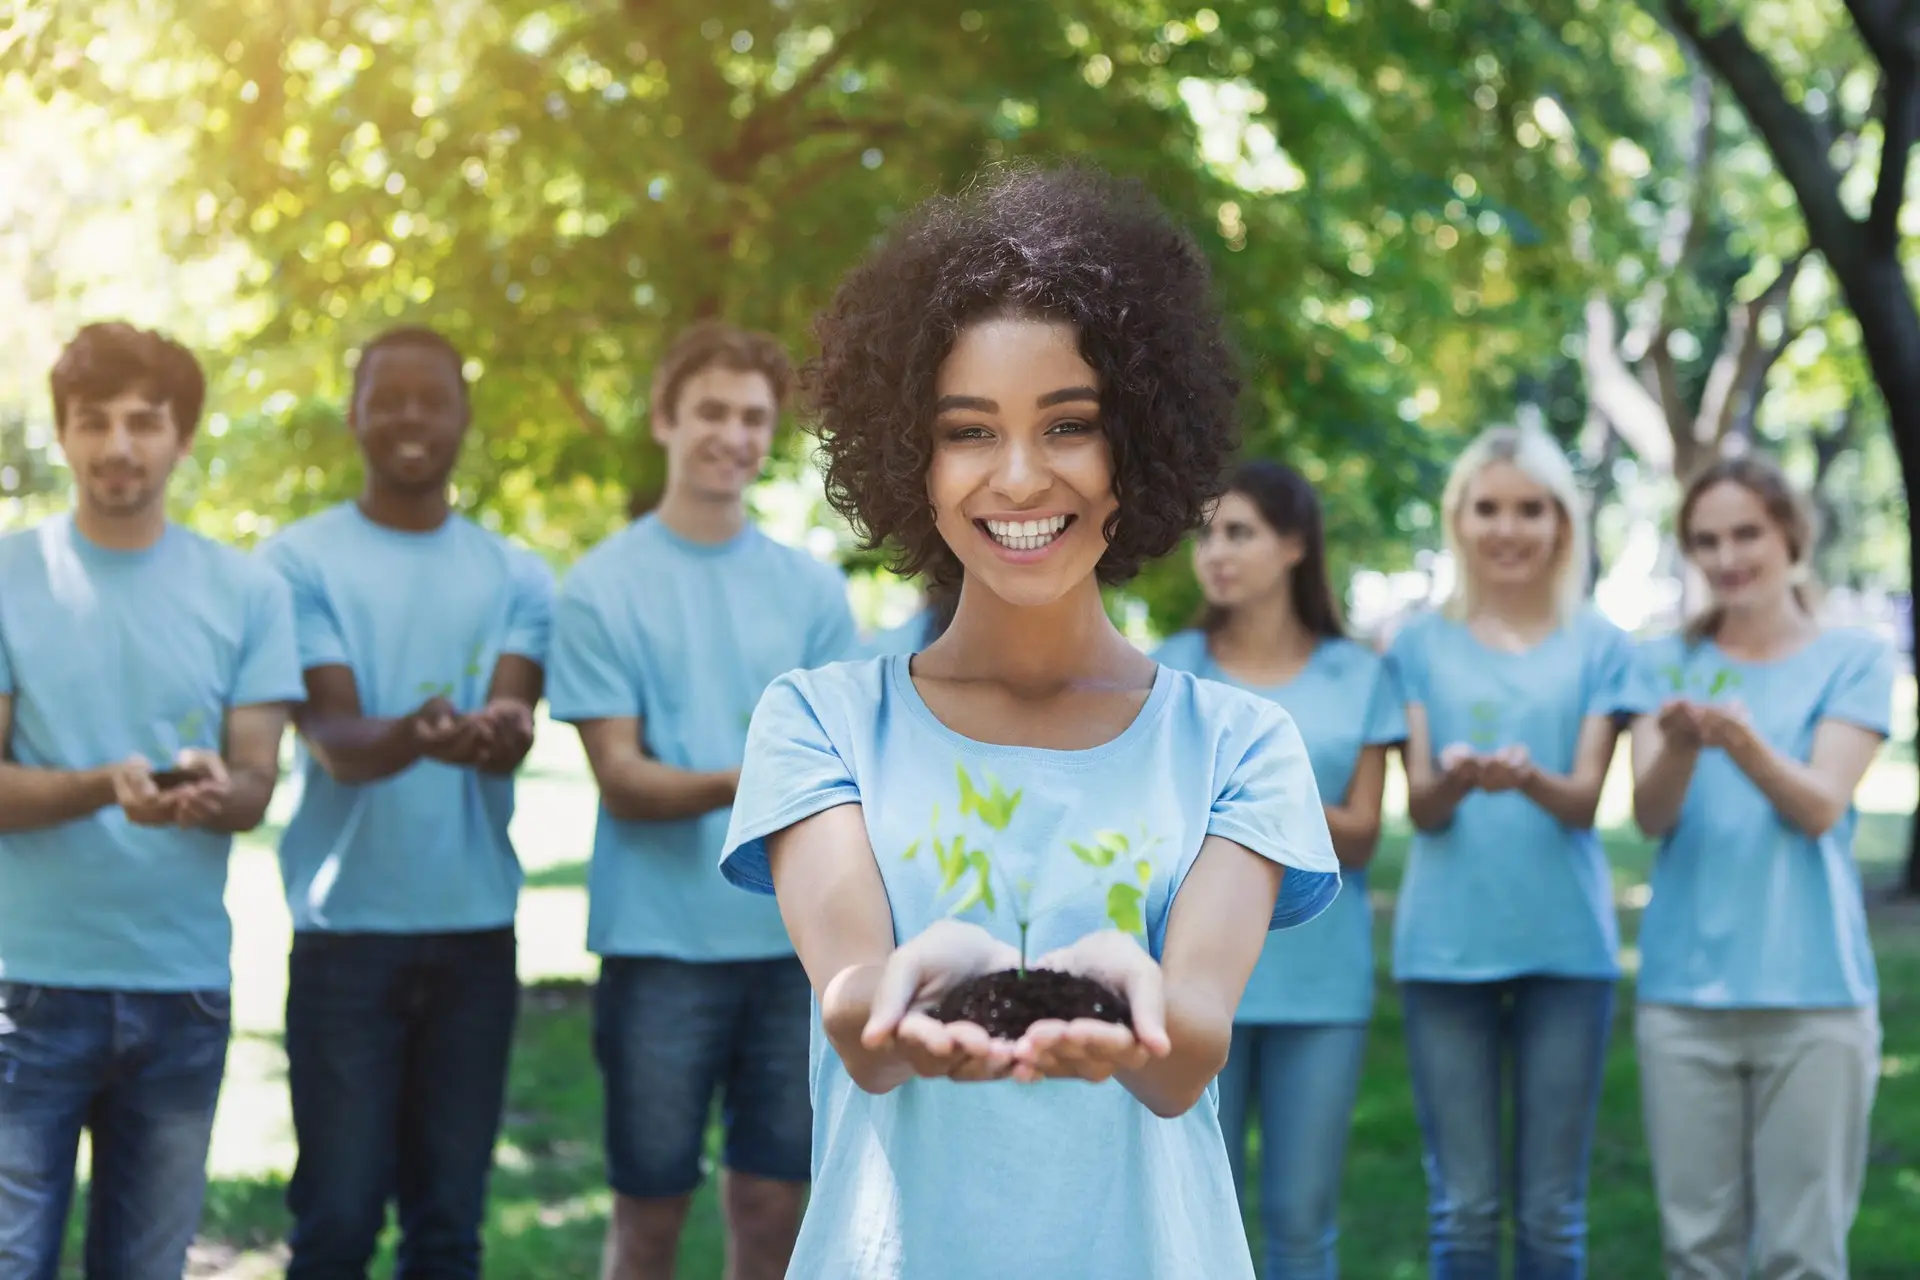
x=1758, y=1024
x=1505, y=944
x=1300, y=1033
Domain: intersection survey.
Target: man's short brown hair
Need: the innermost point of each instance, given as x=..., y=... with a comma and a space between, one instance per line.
x=714, y=342
x=110, y=357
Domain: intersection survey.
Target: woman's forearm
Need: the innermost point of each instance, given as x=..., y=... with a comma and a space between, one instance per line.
x=1200, y=1029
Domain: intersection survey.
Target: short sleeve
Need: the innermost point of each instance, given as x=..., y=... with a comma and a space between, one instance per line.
x=1270, y=804
x=1611, y=671
x=1386, y=708
x=791, y=772
x=833, y=637
x=586, y=677
x=1407, y=661
x=1653, y=669
x=269, y=669
x=316, y=627
x=530, y=611
x=1862, y=689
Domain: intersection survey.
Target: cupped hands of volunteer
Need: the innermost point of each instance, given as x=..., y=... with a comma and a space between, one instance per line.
x=920, y=973
x=1509, y=768
x=191, y=804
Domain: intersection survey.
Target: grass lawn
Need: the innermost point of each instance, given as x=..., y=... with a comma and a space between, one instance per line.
x=550, y=1203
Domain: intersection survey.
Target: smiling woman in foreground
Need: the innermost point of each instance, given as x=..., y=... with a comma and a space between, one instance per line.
x=1025, y=391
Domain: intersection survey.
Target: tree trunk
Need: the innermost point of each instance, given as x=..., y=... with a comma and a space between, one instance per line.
x=1878, y=295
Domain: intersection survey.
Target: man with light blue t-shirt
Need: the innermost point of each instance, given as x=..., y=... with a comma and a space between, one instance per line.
x=145, y=678
x=665, y=636
x=423, y=639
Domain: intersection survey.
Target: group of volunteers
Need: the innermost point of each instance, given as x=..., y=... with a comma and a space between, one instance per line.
x=1025, y=393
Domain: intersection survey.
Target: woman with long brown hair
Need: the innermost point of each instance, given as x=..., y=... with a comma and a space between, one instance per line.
x=1758, y=1022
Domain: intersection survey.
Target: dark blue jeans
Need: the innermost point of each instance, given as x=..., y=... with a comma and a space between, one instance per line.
x=397, y=1051
x=140, y=1071
x=1463, y=1040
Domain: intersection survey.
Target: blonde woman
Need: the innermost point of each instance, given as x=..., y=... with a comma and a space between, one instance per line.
x=1758, y=1024
x=1505, y=945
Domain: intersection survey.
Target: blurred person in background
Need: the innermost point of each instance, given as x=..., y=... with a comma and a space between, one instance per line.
x=145, y=679
x=423, y=638
x=1271, y=627
x=937, y=604
x=665, y=636
x=1506, y=946
x=1758, y=1026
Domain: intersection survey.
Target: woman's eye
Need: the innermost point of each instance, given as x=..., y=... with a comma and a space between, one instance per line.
x=1073, y=427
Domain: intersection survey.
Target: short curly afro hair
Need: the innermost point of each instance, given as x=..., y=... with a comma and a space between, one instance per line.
x=1066, y=244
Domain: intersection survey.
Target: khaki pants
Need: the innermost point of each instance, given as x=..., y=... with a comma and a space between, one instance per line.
x=1757, y=1120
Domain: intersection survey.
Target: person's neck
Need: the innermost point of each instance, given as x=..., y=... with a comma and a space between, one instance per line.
x=702, y=519
x=1042, y=648
x=416, y=512
x=135, y=531
x=1766, y=630
x=1265, y=634
x=1528, y=609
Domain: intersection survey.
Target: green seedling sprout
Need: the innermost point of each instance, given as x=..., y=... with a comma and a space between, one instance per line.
x=444, y=688
x=190, y=726
x=1676, y=677
x=1485, y=733
x=971, y=870
x=1725, y=679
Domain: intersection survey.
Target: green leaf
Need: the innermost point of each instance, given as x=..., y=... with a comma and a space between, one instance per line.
x=1123, y=909
x=1719, y=682
x=912, y=849
x=1144, y=870
x=969, y=798
x=1089, y=856
x=984, y=870
x=1676, y=676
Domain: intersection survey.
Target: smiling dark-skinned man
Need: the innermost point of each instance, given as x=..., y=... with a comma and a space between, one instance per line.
x=423, y=638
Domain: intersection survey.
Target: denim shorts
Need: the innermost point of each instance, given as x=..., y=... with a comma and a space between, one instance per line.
x=669, y=1035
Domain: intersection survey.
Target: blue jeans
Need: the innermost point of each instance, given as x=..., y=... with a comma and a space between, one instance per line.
x=140, y=1071
x=668, y=1035
x=397, y=1050
x=1462, y=1039
x=1303, y=1078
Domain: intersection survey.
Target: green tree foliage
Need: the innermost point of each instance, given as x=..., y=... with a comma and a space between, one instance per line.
x=562, y=185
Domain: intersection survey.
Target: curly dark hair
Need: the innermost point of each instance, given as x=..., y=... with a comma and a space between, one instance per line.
x=1067, y=244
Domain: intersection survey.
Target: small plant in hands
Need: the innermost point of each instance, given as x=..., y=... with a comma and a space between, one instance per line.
x=1007, y=1002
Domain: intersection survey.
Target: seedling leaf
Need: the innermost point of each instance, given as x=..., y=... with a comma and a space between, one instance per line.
x=912, y=849
x=1144, y=870
x=1123, y=909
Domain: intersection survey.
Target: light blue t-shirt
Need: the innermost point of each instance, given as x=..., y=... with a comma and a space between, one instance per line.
x=412, y=615
x=1748, y=911
x=1505, y=889
x=1343, y=701
x=685, y=636
x=106, y=655
x=909, y=637
x=939, y=1180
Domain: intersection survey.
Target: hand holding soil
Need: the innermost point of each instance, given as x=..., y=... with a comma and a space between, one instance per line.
x=203, y=794
x=1088, y=1044
x=916, y=977
x=509, y=724
x=1680, y=723
x=1506, y=769
x=449, y=737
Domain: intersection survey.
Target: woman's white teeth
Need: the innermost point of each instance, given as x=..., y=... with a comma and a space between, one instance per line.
x=1026, y=535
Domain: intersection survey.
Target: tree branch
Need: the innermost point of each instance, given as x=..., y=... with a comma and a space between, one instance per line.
x=1789, y=133
x=1741, y=355
x=1685, y=228
x=1900, y=114
x=1880, y=23
x=592, y=423
x=1616, y=393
